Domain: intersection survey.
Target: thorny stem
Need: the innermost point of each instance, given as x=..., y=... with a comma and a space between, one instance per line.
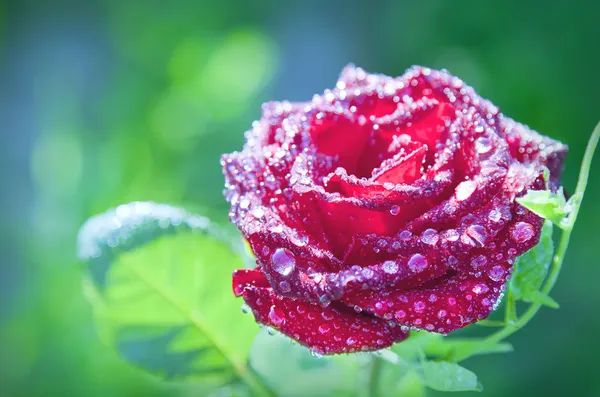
x=557, y=261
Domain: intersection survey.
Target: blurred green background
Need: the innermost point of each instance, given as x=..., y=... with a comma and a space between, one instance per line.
x=107, y=102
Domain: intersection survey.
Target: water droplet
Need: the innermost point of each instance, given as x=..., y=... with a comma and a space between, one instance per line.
x=400, y=314
x=430, y=237
x=496, y=273
x=417, y=263
x=478, y=233
x=483, y=145
x=244, y=203
x=258, y=212
x=298, y=240
x=464, y=190
x=283, y=261
x=390, y=267
x=395, y=210
x=245, y=308
x=478, y=261
x=442, y=313
x=326, y=315
x=324, y=301
x=324, y=328
x=404, y=235
x=495, y=215
x=276, y=316
x=285, y=287
x=522, y=232
x=419, y=306
x=350, y=341
x=316, y=353
x=480, y=289
x=451, y=235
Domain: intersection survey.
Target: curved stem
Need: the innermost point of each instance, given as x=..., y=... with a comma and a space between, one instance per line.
x=563, y=244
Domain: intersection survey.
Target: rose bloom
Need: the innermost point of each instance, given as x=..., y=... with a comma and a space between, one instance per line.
x=383, y=205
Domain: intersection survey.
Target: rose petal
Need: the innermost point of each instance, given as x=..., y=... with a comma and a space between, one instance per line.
x=327, y=330
x=401, y=169
x=527, y=146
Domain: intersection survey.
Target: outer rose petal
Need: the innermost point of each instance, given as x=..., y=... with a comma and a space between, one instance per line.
x=327, y=330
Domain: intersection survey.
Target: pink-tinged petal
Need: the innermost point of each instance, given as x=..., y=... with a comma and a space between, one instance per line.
x=401, y=169
x=451, y=304
x=527, y=146
x=480, y=264
x=244, y=278
x=327, y=330
x=331, y=128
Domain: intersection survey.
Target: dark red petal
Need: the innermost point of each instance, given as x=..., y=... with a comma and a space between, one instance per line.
x=244, y=278
x=453, y=303
x=327, y=330
x=401, y=169
x=527, y=146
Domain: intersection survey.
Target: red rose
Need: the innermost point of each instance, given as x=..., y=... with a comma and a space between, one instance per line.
x=382, y=205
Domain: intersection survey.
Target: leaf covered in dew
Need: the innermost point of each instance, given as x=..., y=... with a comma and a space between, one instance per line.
x=158, y=281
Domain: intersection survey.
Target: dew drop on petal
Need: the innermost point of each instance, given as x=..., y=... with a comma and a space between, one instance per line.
x=479, y=262
x=404, y=235
x=496, y=273
x=350, y=341
x=390, y=267
x=417, y=263
x=430, y=237
x=451, y=235
x=244, y=203
x=495, y=215
x=276, y=316
x=480, y=289
x=522, y=232
x=395, y=210
x=283, y=261
x=464, y=190
x=285, y=287
x=478, y=233
x=483, y=145
x=324, y=328
x=419, y=306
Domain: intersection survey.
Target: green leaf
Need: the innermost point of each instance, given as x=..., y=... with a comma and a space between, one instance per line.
x=547, y=204
x=446, y=376
x=159, y=282
x=531, y=269
x=290, y=370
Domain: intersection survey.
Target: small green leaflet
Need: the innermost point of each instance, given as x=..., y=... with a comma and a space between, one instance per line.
x=159, y=281
x=531, y=269
x=547, y=204
x=446, y=376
